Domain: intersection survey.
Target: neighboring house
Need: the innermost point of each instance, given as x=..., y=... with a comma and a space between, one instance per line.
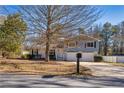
x=118, y=45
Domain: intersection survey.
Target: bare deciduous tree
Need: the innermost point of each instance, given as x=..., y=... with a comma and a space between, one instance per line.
x=48, y=20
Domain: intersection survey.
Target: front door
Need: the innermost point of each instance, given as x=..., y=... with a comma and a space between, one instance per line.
x=52, y=55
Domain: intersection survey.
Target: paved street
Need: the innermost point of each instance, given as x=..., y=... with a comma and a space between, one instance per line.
x=106, y=76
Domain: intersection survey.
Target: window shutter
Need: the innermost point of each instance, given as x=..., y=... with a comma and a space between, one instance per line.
x=95, y=44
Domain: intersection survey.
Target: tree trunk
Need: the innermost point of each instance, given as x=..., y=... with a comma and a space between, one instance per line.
x=48, y=34
x=4, y=55
x=47, y=50
x=105, y=50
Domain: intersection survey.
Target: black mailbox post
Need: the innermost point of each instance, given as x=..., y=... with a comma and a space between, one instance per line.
x=78, y=55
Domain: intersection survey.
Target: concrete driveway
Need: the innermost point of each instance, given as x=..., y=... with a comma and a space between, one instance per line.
x=104, y=69
x=106, y=75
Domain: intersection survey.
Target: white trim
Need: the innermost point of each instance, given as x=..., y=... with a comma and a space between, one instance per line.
x=90, y=37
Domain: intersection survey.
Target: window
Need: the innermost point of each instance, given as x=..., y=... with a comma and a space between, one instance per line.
x=90, y=44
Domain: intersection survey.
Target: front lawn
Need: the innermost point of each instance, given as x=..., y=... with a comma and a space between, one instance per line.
x=40, y=67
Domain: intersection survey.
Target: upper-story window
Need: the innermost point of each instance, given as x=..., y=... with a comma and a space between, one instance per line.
x=90, y=44
x=76, y=44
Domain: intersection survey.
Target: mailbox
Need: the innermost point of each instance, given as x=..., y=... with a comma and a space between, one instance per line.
x=79, y=55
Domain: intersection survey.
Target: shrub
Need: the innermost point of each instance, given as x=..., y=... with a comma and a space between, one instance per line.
x=98, y=58
x=27, y=56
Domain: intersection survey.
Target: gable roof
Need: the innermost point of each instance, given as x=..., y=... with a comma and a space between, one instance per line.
x=82, y=37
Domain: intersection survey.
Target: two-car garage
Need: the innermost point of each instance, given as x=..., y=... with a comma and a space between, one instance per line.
x=71, y=56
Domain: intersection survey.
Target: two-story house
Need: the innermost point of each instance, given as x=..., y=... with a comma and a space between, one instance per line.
x=67, y=48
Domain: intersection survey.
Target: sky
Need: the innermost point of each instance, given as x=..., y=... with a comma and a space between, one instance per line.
x=111, y=13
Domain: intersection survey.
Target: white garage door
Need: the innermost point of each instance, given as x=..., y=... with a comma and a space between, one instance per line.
x=70, y=56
